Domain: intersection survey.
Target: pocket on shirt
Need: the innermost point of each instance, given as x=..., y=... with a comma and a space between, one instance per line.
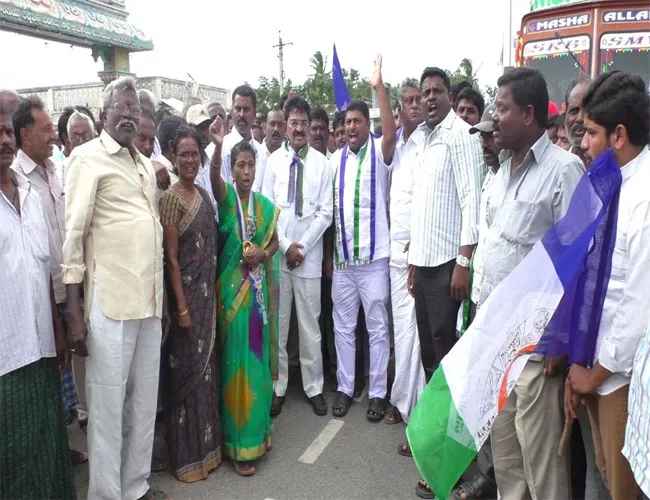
x=281, y=198
x=516, y=221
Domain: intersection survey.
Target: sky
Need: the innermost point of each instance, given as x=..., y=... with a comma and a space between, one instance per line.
x=227, y=45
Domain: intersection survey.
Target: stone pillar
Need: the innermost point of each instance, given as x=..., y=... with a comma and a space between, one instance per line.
x=116, y=62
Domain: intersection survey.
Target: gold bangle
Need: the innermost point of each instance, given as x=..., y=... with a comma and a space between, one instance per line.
x=214, y=165
x=183, y=313
x=267, y=255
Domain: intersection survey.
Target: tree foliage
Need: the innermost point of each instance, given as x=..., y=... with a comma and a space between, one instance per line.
x=318, y=88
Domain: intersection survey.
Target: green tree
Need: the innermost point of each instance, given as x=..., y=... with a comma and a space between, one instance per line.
x=317, y=89
x=268, y=93
x=490, y=93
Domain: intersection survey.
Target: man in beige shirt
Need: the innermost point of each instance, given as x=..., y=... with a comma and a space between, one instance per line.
x=113, y=247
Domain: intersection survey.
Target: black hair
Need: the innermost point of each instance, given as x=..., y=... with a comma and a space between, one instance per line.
x=299, y=104
x=241, y=147
x=185, y=132
x=245, y=91
x=321, y=115
x=162, y=112
x=62, y=124
x=167, y=130
x=528, y=88
x=360, y=106
x=277, y=108
x=23, y=118
x=339, y=120
x=457, y=88
x=441, y=73
x=618, y=98
x=555, y=121
x=472, y=95
x=283, y=100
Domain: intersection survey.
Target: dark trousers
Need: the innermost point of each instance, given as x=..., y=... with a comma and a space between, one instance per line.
x=436, y=312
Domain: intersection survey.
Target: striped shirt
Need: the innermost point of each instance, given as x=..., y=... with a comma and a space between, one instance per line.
x=27, y=332
x=446, y=193
x=637, y=445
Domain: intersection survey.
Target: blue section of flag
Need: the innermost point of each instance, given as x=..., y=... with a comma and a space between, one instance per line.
x=581, y=247
x=341, y=94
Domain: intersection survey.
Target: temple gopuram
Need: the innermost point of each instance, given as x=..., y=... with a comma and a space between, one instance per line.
x=100, y=26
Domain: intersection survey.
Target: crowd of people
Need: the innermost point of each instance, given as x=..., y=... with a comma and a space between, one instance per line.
x=156, y=263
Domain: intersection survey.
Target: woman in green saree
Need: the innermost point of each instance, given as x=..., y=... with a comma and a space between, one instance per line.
x=247, y=300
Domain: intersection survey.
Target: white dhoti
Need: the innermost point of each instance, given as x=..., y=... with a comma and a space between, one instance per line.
x=306, y=293
x=122, y=389
x=409, y=375
x=353, y=286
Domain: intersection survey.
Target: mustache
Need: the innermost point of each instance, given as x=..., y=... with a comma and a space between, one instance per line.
x=577, y=130
x=6, y=151
x=127, y=121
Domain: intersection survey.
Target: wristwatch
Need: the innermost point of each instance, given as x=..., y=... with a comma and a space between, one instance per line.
x=462, y=261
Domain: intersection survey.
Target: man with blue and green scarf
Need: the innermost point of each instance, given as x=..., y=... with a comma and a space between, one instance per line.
x=362, y=247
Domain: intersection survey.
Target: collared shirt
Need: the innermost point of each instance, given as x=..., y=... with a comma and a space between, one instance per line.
x=446, y=193
x=382, y=236
x=157, y=151
x=46, y=184
x=401, y=194
x=27, y=332
x=229, y=142
x=626, y=309
x=521, y=207
x=113, y=231
x=637, y=430
x=309, y=228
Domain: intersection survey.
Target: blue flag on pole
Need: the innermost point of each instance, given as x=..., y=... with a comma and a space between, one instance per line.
x=341, y=94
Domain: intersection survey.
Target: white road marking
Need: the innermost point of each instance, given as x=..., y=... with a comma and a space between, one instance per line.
x=320, y=443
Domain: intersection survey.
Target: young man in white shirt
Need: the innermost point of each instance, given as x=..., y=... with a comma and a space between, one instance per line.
x=616, y=116
x=298, y=179
x=361, y=277
x=319, y=131
x=244, y=104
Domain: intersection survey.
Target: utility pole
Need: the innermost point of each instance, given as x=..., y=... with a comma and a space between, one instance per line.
x=280, y=46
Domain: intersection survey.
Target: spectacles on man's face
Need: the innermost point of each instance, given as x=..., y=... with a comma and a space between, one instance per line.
x=299, y=123
x=127, y=109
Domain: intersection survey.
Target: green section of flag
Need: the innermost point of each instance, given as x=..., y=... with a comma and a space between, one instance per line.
x=441, y=444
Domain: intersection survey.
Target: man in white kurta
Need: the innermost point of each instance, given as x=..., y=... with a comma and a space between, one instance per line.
x=409, y=376
x=299, y=181
x=362, y=248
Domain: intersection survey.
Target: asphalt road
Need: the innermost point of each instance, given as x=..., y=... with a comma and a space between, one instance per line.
x=352, y=459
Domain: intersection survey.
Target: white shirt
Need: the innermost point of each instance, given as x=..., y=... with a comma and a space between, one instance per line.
x=203, y=177
x=478, y=263
x=637, y=430
x=401, y=188
x=382, y=236
x=307, y=230
x=626, y=309
x=47, y=185
x=229, y=142
x=447, y=193
x=173, y=178
x=27, y=332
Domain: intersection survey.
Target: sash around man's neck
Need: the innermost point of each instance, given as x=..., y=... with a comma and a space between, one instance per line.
x=339, y=200
x=296, y=177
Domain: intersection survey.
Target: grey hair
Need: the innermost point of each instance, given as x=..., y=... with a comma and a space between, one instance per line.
x=146, y=95
x=76, y=116
x=119, y=85
x=409, y=83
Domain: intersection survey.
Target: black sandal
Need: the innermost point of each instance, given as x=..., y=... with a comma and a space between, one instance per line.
x=341, y=405
x=393, y=416
x=404, y=449
x=376, y=409
x=422, y=489
x=476, y=488
x=276, y=405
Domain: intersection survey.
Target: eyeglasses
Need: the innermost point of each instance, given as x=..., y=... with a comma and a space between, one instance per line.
x=185, y=157
x=299, y=123
x=126, y=109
